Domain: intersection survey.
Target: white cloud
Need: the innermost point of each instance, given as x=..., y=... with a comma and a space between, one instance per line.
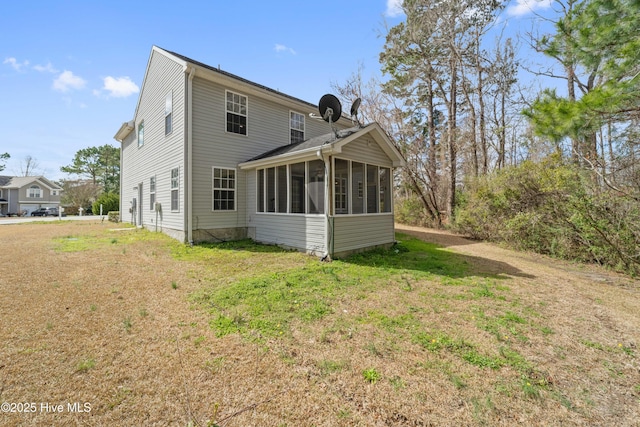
x=67, y=80
x=15, y=64
x=45, y=68
x=119, y=87
x=394, y=8
x=282, y=48
x=524, y=7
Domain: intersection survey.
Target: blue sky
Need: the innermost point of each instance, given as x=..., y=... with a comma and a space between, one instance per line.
x=70, y=71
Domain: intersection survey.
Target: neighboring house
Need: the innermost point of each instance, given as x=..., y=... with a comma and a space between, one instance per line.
x=24, y=194
x=212, y=156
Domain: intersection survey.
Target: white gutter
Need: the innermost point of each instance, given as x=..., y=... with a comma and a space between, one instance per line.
x=189, y=172
x=283, y=159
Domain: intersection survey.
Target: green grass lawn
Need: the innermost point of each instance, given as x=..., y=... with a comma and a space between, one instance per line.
x=405, y=326
x=485, y=323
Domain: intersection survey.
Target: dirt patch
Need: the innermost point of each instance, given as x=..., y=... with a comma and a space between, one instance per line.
x=112, y=326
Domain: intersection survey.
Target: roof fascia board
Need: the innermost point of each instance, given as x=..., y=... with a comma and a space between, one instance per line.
x=335, y=147
x=309, y=153
x=124, y=131
x=160, y=51
x=232, y=83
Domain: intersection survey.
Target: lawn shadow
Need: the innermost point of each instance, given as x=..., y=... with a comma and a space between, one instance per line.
x=412, y=253
x=245, y=245
x=440, y=237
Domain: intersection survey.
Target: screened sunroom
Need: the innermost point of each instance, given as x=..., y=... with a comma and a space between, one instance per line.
x=329, y=195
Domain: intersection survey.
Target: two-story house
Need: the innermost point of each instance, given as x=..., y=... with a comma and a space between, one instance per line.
x=212, y=156
x=24, y=194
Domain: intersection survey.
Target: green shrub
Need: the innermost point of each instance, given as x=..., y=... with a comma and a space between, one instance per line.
x=109, y=202
x=114, y=216
x=410, y=211
x=555, y=209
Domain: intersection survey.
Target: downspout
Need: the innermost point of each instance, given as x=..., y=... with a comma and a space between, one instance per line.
x=328, y=237
x=189, y=173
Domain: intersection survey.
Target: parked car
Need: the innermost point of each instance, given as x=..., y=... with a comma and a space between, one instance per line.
x=45, y=212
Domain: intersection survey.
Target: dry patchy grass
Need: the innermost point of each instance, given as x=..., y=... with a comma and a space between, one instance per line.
x=151, y=332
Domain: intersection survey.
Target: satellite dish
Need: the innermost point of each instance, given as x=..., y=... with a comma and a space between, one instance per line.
x=354, y=109
x=355, y=106
x=330, y=108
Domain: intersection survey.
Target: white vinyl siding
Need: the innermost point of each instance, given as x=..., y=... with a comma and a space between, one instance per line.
x=213, y=145
x=362, y=231
x=161, y=152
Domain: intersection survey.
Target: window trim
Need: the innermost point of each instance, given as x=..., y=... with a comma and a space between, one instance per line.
x=168, y=113
x=291, y=128
x=226, y=111
x=152, y=192
x=350, y=189
x=40, y=193
x=234, y=189
x=363, y=188
x=140, y=128
x=176, y=188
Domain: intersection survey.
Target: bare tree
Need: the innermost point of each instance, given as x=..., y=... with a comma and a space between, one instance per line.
x=30, y=166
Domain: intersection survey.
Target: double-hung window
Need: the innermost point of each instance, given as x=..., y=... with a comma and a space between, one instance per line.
x=141, y=134
x=224, y=189
x=236, y=113
x=152, y=193
x=168, y=113
x=175, y=189
x=296, y=123
x=35, y=192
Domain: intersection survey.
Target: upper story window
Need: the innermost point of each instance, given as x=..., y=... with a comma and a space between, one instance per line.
x=236, y=113
x=168, y=113
x=141, y=134
x=296, y=123
x=34, y=192
x=55, y=192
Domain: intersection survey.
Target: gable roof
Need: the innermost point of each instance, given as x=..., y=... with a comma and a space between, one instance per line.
x=234, y=76
x=21, y=181
x=216, y=74
x=330, y=142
